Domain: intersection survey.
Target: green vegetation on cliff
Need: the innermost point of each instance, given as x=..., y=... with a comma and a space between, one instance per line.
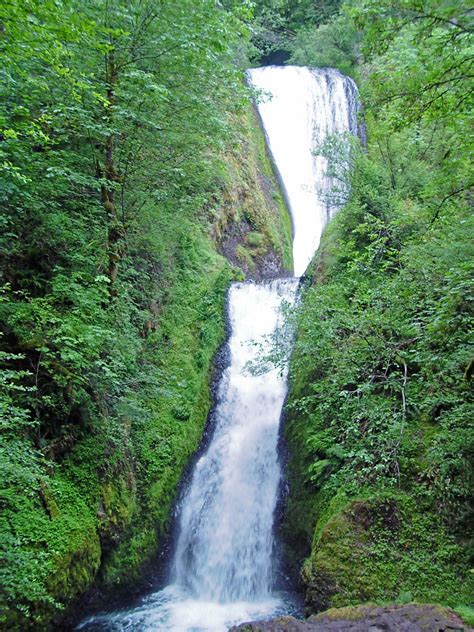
x=123, y=173
x=379, y=417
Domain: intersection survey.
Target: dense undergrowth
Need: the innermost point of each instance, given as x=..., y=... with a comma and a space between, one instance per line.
x=380, y=411
x=379, y=417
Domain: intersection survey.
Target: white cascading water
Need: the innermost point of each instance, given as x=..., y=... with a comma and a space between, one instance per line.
x=224, y=550
x=222, y=565
x=307, y=105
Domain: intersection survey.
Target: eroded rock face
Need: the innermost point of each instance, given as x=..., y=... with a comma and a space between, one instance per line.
x=406, y=618
x=258, y=262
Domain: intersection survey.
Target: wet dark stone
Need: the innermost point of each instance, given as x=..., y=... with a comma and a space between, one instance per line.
x=396, y=618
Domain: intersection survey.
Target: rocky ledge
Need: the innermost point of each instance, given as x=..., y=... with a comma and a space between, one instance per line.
x=369, y=618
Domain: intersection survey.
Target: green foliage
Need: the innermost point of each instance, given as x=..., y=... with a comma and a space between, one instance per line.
x=255, y=239
x=379, y=397
x=333, y=44
x=276, y=22
x=430, y=45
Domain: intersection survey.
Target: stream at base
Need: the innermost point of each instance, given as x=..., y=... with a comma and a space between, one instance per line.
x=174, y=610
x=223, y=570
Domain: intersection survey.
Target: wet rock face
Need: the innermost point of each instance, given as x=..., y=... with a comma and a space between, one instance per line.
x=258, y=264
x=407, y=618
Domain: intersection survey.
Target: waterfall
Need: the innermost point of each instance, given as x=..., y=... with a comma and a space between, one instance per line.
x=224, y=550
x=222, y=567
x=306, y=106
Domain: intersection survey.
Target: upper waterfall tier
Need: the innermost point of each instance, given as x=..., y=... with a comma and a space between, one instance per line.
x=300, y=107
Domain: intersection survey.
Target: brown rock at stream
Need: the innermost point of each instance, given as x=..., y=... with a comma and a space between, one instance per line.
x=396, y=618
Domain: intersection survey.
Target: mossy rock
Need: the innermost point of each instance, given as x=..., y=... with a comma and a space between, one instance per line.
x=363, y=618
x=252, y=225
x=383, y=548
x=420, y=617
x=76, y=569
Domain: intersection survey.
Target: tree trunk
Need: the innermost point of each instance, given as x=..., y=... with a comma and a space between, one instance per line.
x=115, y=228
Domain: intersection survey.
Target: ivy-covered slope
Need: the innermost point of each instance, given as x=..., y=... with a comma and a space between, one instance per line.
x=124, y=172
x=380, y=407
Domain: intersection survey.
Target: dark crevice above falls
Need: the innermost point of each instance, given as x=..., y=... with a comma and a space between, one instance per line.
x=275, y=58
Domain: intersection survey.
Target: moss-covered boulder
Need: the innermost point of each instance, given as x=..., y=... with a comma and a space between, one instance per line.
x=367, y=618
x=381, y=548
